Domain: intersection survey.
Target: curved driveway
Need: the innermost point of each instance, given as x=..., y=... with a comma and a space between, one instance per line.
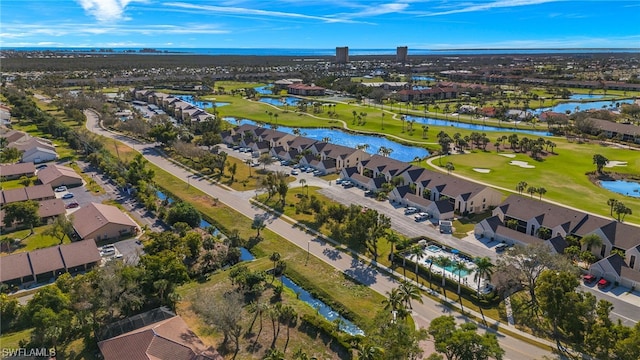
x=354, y=266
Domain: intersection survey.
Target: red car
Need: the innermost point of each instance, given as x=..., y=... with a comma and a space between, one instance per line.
x=588, y=279
x=603, y=283
x=72, y=205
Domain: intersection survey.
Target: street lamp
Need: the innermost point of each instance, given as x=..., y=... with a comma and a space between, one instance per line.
x=308, y=251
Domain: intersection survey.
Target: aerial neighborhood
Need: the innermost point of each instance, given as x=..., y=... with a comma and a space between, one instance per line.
x=320, y=207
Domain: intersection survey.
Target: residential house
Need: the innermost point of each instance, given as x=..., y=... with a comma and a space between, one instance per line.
x=13, y=135
x=167, y=339
x=58, y=175
x=378, y=165
x=102, y=222
x=38, y=155
x=42, y=265
x=627, y=132
x=615, y=269
x=305, y=90
x=37, y=192
x=16, y=171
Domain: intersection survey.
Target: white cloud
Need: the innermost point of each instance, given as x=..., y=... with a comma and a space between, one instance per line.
x=242, y=11
x=473, y=7
x=105, y=10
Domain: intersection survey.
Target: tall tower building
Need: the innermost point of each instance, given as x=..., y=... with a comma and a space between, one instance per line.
x=402, y=53
x=342, y=55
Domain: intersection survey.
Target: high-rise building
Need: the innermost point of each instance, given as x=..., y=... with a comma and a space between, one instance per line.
x=402, y=53
x=342, y=55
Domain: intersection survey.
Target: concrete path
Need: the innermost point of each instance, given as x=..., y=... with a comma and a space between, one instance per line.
x=352, y=265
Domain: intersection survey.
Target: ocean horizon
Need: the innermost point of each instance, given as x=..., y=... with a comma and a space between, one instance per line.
x=317, y=51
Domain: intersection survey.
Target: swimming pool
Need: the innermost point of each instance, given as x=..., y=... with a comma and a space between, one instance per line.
x=451, y=268
x=433, y=248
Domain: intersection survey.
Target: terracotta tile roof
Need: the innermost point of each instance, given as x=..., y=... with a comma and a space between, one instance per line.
x=94, y=216
x=169, y=339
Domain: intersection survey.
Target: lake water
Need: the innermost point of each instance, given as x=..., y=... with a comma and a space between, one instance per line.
x=586, y=97
x=264, y=90
x=627, y=188
x=582, y=106
x=245, y=255
x=422, y=78
x=400, y=152
x=291, y=101
x=322, y=308
x=201, y=104
x=476, y=127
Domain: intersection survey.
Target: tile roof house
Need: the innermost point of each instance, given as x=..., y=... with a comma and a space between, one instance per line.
x=101, y=222
x=44, y=264
x=58, y=175
x=36, y=192
x=169, y=339
x=15, y=171
x=532, y=214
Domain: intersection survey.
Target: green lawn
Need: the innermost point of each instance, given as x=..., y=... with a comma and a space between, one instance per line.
x=562, y=175
x=12, y=340
x=32, y=242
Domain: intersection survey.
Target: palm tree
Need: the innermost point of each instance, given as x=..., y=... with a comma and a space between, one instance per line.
x=382, y=121
x=443, y=262
x=326, y=139
x=521, y=186
x=248, y=162
x=393, y=239
x=425, y=129
x=611, y=203
x=541, y=191
x=303, y=183
x=418, y=254
x=531, y=190
x=599, y=161
x=404, y=242
x=459, y=267
x=449, y=166
x=367, y=351
x=410, y=292
x=274, y=257
x=394, y=300
x=591, y=240
x=431, y=260
x=483, y=271
x=289, y=317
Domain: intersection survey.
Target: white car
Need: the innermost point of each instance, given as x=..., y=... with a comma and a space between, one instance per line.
x=410, y=210
x=61, y=188
x=295, y=172
x=421, y=216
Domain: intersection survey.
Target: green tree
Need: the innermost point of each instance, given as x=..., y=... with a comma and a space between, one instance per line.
x=265, y=159
x=233, y=168
x=483, y=271
x=26, y=212
x=224, y=314
x=60, y=228
x=621, y=210
x=611, y=203
x=10, y=155
x=443, y=262
x=410, y=292
x=392, y=238
x=591, y=240
x=449, y=166
x=464, y=342
x=521, y=186
x=164, y=133
x=183, y=212
x=599, y=161
x=258, y=224
x=418, y=254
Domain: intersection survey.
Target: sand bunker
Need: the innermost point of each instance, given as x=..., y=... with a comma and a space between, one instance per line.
x=480, y=170
x=508, y=155
x=522, y=164
x=613, y=163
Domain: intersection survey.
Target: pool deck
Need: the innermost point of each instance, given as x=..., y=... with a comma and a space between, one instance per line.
x=466, y=280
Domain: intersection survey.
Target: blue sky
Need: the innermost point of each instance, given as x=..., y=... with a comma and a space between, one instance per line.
x=359, y=24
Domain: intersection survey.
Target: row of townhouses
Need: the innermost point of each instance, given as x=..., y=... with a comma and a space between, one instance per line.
x=178, y=108
x=532, y=215
x=438, y=194
x=33, y=149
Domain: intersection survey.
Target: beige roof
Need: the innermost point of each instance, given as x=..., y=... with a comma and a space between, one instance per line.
x=17, y=169
x=39, y=192
x=80, y=253
x=25, y=144
x=94, y=216
x=169, y=339
x=13, y=135
x=14, y=266
x=51, y=207
x=14, y=195
x=53, y=172
x=46, y=260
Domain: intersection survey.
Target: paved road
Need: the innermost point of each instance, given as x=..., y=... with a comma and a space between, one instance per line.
x=351, y=265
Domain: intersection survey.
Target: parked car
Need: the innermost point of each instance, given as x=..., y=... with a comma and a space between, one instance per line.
x=339, y=181
x=72, y=205
x=501, y=247
x=317, y=172
x=603, y=283
x=295, y=172
x=589, y=279
x=67, y=196
x=410, y=210
x=40, y=167
x=61, y=188
x=421, y=216
x=369, y=193
x=309, y=170
x=255, y=164
x=347, y=184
